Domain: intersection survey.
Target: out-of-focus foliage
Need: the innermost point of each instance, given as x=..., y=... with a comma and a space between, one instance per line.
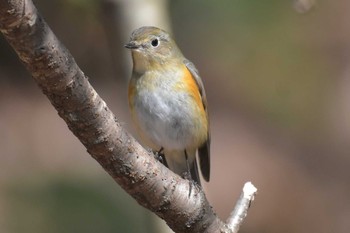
x=67, y=205
x=265, y=55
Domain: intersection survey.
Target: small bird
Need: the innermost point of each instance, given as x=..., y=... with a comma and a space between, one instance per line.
x=168, y=103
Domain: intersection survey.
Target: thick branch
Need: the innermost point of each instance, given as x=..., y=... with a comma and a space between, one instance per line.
x=88, y=117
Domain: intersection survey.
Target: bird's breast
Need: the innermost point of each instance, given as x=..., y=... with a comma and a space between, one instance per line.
x=168, y=110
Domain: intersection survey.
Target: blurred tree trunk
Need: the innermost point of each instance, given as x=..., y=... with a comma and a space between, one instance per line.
x=338, y=51
x=121, y=17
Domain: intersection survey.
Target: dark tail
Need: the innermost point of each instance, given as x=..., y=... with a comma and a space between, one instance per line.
x=186, y=168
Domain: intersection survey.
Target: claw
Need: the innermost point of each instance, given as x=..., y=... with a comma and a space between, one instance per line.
x=159, y=155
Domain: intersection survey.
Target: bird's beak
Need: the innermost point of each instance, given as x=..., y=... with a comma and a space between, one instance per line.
x=132, y=45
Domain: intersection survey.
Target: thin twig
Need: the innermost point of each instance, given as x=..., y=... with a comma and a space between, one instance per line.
x=240, y=211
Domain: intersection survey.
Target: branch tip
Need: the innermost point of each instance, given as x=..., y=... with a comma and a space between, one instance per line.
x=240, y=211
x=249, y=191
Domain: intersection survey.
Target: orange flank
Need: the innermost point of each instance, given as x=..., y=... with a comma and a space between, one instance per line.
x=131, y=94
x=192, y=88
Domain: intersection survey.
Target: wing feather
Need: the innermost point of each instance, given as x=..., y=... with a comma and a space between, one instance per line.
x=204, y=150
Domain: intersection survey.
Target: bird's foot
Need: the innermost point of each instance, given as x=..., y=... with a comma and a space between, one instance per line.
x=159, y=155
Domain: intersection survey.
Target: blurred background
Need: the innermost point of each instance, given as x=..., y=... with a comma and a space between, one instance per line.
x=277, y=76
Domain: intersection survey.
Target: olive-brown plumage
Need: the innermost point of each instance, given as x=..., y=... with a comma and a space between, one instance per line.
x=168, y=103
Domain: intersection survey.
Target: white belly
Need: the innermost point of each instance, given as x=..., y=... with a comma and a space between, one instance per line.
x=167, y=118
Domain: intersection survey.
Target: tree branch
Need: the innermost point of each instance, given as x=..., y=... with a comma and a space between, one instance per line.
x=241, y=209
x=88, y=117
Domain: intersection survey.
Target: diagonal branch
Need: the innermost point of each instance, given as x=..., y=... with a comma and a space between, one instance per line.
x=88, y=117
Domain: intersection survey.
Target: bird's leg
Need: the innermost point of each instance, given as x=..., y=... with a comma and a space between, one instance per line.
x=160, y=150
x=187, y=174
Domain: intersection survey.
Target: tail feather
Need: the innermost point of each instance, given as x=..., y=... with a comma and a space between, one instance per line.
x=204, y=160
x=176, y=161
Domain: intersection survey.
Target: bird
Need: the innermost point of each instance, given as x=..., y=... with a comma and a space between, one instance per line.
x=168, y=103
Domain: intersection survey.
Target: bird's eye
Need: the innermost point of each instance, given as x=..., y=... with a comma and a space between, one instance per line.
x=155, y=42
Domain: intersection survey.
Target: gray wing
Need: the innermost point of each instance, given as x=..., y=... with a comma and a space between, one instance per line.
x=204, y=150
